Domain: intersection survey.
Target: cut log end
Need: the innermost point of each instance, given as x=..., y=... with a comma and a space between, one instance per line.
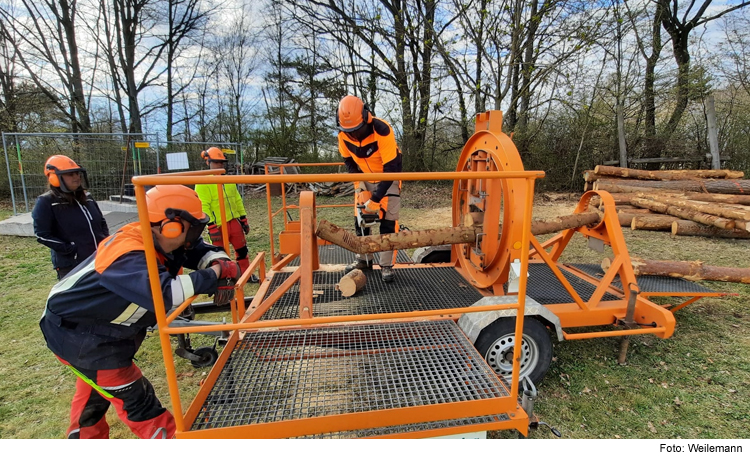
x=351, y=283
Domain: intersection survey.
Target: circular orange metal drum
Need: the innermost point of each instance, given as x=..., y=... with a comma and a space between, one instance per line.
x=496, y=204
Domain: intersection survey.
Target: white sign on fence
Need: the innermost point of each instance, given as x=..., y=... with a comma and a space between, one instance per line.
x=177, y=161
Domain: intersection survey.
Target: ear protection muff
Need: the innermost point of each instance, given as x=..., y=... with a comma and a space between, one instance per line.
x=171, y=227
x=366, y=114
x=54, y=180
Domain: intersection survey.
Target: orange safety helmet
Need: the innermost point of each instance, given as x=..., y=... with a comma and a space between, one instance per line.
x=213, y=155
x=352, y=114
x=167, y=204
x=57, y=165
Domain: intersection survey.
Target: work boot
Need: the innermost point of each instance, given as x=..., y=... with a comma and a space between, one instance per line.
x=387, y=274
x=360, y=264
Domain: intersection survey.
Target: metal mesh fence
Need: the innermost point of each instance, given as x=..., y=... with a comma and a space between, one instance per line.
x=110, y=160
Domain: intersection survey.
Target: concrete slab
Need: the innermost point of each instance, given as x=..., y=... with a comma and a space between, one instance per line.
x=22, y=225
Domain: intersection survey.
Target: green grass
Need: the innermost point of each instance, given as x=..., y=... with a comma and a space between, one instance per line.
x=695, y=384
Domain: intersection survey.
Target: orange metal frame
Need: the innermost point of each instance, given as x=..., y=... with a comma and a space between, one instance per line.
x=490, y=176
x=283, y=211
x=247, y=320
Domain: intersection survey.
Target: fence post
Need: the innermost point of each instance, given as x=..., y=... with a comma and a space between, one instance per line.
x=158, y=167
x=23, y=180
x=713, y=133
x=10, y=180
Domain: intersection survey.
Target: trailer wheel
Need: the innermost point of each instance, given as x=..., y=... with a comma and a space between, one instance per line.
x=496, y=342
x=208, y=356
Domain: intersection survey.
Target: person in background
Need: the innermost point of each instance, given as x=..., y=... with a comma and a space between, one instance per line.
x=97, y=317
x=66, y=218
x=235, y=210
x=368, y=145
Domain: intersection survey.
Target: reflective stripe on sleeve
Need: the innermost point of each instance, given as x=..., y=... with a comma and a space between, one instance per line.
x=182, y=289
x=211, y=256
x=131, y=314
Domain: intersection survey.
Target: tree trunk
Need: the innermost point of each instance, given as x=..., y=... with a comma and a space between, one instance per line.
x=573, y=221
x=713, y=132
x=351, y=283
x=694, y=229
x=626, y=218
x=731, y=187
x=684, y=213
x=613, y=188
x=653, y=222
x=432, y=237
x=603, y=170
x=716, y=209
x=689, y=270
x=395, y=241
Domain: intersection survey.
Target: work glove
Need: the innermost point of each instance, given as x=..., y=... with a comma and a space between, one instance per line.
x=229, y=273
x=372, y=206
x=361, y=197
x=214, y=233
x=245, y=227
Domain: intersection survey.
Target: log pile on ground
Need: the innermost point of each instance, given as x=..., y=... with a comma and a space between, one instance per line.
x=708, y=203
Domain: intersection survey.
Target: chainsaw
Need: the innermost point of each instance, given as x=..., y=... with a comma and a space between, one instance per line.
x=366, y=219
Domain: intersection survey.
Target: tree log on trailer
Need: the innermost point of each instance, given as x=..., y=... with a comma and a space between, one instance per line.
x=432, y=237
x=395, y=241
x=603, y=170
x=688, y=270
x=572, y=221
x=693, y=229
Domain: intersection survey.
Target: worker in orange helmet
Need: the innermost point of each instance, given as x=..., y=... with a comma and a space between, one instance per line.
x=233, y=205
x=67, y=220
x=97, y=316
x=368, y=145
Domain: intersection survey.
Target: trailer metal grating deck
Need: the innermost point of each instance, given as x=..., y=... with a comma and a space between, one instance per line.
x=333, y=254
x=424, y=288
x=544, y=287
x=279, y=375
x=652, y=284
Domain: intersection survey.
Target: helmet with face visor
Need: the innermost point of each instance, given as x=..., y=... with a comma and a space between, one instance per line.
x=59, y=165
x=168, y=205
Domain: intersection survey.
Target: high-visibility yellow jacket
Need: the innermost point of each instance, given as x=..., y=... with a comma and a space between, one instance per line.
x=209, y=195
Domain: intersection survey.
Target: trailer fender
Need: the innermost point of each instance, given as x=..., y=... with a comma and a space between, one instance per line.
x=473, y=323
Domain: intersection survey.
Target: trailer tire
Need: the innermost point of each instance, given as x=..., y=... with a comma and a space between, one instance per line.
x=208, y=355
x=496, y=342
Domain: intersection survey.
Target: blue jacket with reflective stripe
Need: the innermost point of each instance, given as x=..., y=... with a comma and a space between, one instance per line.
x=98, y=320
x=71, y=231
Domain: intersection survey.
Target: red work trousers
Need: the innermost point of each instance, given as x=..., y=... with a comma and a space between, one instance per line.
x=133, y=397
x=238, y=241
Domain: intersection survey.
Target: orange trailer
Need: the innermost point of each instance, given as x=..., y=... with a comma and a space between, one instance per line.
x=440, y=352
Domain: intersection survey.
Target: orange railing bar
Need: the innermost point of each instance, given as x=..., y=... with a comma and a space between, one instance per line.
x=281, y=323
x=623, y=332
x=190, y=179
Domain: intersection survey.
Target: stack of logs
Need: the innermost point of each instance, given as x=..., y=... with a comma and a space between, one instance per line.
x=708, y=203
